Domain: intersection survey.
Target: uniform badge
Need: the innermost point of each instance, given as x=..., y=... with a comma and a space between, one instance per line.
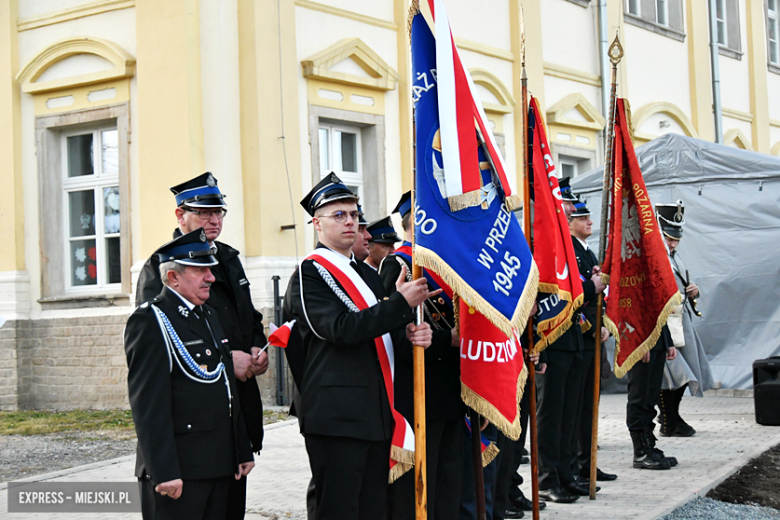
x=441, y=301
x=436, y=316
x=211, y=181
x=183, y=311
x=225, y=340
x=208, y=352
x=202, y=236
x=203, y=367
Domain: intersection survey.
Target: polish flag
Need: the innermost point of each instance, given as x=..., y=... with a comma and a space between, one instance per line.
x=280, y=335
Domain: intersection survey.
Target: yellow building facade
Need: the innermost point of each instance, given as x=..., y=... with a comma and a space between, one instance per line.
x=105, y=104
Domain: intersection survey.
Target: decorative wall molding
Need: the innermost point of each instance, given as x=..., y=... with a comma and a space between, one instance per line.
x=738, y=138
x=559, y=71
x=343, y=13
x=124, y=64
x=736, y=114
x=557, y=113
x=496, y=87
x=72, y=13
x=672, y=110
x=486, y=50
x=382, y=75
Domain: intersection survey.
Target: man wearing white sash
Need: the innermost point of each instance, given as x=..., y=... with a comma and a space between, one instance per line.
x=355, y=439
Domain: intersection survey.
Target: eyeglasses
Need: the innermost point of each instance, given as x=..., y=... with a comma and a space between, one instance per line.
x=206, y=214
x=341, y=216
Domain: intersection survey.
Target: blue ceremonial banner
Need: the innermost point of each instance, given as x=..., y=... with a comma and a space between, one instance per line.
x=480, y=251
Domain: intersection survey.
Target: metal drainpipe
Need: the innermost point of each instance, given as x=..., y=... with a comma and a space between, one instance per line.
x=714, y=61
x=605, y=75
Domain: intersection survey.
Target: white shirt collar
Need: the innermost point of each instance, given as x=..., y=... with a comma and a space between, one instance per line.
x=584, y=244
x=189, y=305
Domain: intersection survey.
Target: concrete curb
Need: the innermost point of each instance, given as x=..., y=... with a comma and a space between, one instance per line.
x=686, y=497
x=118, y=460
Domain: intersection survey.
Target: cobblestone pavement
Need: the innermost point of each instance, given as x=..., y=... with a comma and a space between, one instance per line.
x=727, y=437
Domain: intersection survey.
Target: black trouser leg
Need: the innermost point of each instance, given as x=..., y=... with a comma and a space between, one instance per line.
x=557, y=405
x=236, y=501
x=585, y=423
x=350, y=477
x=644, y=387
x=204, y=499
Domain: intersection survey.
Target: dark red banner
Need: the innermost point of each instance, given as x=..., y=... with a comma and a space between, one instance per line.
x=642, y=289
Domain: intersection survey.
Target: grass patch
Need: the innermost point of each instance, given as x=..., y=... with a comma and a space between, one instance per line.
x=35, y=422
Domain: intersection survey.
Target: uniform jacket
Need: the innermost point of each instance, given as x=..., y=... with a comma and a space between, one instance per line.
x=231, y=299
x=442, y=361
x=342, y=388
x=586, y=261
x=185, y=428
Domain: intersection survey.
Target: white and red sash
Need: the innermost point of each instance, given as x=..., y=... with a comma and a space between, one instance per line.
x=402, y=445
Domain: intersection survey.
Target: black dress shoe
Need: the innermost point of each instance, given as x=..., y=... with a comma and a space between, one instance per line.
x=557, y=494
x=513, y=512
x=579, y=488
x=524, y=460
x=683, y=430
x=600, y=476
x=524, y=504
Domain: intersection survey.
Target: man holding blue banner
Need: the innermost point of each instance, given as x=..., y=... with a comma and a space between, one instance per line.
x=349, y=329
x=444, y=408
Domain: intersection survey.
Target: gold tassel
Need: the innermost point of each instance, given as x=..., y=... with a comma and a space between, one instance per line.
x=430, y=260
x=414, y=8
x=490, y=453
x=397, y=471
x=514, y=202
x=647, y=344
x=605, y=278
x=465, y=200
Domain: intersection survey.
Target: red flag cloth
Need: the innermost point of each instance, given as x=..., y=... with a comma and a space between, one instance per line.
x=553, y=249
x=281, y=336
x=492, y=374
x=642, y=288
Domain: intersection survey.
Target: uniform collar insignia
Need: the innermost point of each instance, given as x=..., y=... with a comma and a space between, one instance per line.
x=184, y=311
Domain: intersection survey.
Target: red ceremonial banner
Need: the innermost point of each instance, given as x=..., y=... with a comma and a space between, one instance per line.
x=642, y=288
x=492, y=374
x=553, y=249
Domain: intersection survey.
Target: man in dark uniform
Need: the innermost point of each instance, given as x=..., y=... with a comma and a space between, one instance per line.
x=345, y=411
x=192, y=440
x=201, y=204
x=444, y=409
x=382, y=241
x=580, y=226
x=559, y=395
x=360, y=249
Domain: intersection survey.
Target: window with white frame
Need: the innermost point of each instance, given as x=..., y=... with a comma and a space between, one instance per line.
x=773, y=31
x=91, y=210
x=635, y=7
x=568, y=166
x=340, y=152
x=720, y=16
x=662, y=12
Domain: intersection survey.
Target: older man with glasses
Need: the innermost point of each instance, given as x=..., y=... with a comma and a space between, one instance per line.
x=200, y=204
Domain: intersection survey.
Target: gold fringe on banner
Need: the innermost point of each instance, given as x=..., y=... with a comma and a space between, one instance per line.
x=484, y=408
x=428, y=259
x=514, y=202
x=647, y=344
x=566, y=315
x=490, y=453
x=585, y=326
x=465, y=200
x=404, y=462
x=414, y=8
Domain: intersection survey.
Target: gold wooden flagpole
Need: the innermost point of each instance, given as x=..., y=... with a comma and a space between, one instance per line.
x=418, y=360
x=526, y=161
x=615, y=55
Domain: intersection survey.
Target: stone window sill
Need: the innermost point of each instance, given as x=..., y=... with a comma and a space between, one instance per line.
x=730, y=53
x=654, y=27
x=773, y=68
x=581, y=3
x=80, y=302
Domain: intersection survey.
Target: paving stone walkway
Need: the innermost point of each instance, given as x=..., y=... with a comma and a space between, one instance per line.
x=727, y=437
